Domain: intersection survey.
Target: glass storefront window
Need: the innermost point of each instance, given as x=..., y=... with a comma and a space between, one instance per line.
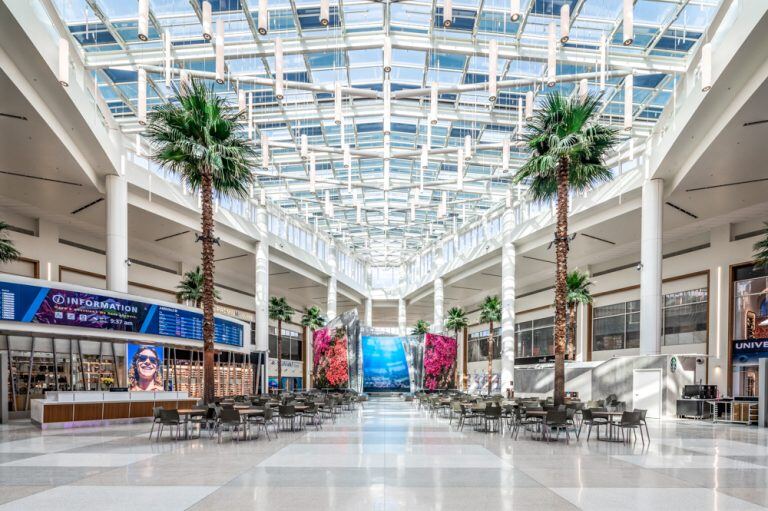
x=750, y=328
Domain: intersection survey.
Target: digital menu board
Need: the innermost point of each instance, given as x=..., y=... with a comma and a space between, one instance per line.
x=47, y=305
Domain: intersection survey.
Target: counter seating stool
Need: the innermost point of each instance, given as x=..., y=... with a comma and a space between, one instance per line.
x=171, y=419
x=155, y=419
x=230, y=419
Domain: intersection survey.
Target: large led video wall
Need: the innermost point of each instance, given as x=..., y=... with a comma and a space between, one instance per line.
x=384, y=366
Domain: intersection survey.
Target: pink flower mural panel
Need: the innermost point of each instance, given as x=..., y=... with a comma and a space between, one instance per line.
x=439, y=361
x=331, y=366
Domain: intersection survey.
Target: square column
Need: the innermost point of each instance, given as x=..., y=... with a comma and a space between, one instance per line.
x=508, y=254
x=650, y=271
x=117, y=233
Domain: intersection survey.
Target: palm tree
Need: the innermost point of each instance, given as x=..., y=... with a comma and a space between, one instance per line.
x=578, y=285
x=568, y=148
x=312, y=319
x=456, y=320
x=420, y=328
x=190, y=289
x=279, y=311
x=8, y=252
x=761, y=250
x=201, y=138
x=490, y=312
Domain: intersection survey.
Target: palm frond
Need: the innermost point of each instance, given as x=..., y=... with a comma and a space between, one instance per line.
x=761, y=251
x=577, y=285
x=8, y=252
x=420, y=328
x=456, y=319
x=198, y=131
x=313, y=318
x=279, y=310
x=191, y=287
x=490, y=310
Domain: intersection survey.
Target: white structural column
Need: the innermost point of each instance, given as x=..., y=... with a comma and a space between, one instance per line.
x=507, y=302
x=261, y=301
x=401, y=326
x=331, y=300
x=330, y=304
x=650, y=271
x=582, y=326
x=369, y=312
x=117, y=233
x=437, y=323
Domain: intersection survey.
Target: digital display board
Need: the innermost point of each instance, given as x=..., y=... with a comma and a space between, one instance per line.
x=384, y=366
x=47, y=305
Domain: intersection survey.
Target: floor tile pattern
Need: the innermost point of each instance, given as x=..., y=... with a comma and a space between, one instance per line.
x=387, y=455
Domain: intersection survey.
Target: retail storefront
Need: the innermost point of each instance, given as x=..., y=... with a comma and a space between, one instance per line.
x=749, y=328
x=61, y=337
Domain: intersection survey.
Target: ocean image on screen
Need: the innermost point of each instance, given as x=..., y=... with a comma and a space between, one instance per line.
x=384, y=365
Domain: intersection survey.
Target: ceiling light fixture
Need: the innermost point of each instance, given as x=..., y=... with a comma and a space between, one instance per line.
x=505, y=155
x=460, y=170
x=264, y=150
x=493, y=69
x=583, y=89
x=628, y=100
x=63, y=62
x=325, y=12
x=312, y=172
x=447, y=13
x=387, y=54
x=207, y=17
x=220, y=52
x=514, y=11
x=279, y=88
x=565, y=23
x=467, y=147
x=529, y=105
x=387, y=91
x=304, y=147
x=263, y=25
x=551, y=56
x=706, y=67
x=143, y=23
x=142, y=100
x=433, y=91
x=629, y=22
x=168, y=59
x=337, y=115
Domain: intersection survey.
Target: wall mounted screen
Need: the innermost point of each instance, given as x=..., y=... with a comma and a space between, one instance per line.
x=52, y=306
x=384, y=365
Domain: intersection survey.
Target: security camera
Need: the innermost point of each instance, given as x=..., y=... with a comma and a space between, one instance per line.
x=128, y=262
x=639, y=266
x=700, y=361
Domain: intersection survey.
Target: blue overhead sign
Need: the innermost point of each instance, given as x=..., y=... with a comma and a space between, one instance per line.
x=48, y=305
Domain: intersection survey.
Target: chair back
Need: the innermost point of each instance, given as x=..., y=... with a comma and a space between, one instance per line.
x=642, y=413
x=268, y=412
x=229, y=415
x=630, y=418
x=156, y=411
x=586, y=414
x=169, y=415
x=492, y=411
x=287, y=410
x=556, y=417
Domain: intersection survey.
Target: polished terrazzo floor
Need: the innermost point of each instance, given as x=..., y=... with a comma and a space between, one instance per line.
x=384, y=456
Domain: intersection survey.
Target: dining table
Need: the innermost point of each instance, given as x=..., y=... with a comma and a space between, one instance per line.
x=611, y=423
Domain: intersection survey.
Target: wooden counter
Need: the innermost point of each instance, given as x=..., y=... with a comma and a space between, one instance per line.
x=100, y=408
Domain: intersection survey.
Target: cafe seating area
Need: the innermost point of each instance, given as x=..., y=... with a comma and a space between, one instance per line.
x=537, y=419
x=242, y=418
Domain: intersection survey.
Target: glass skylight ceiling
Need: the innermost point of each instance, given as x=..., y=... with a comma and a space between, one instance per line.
x=355, y=203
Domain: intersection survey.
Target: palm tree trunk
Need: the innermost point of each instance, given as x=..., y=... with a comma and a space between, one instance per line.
x=490, y=358
x=279, y=354
x=456, y=360
x=561, y=246
x=208, y=293
x=572, y=330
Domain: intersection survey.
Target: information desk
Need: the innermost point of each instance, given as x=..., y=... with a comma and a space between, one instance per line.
x=81, y=409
